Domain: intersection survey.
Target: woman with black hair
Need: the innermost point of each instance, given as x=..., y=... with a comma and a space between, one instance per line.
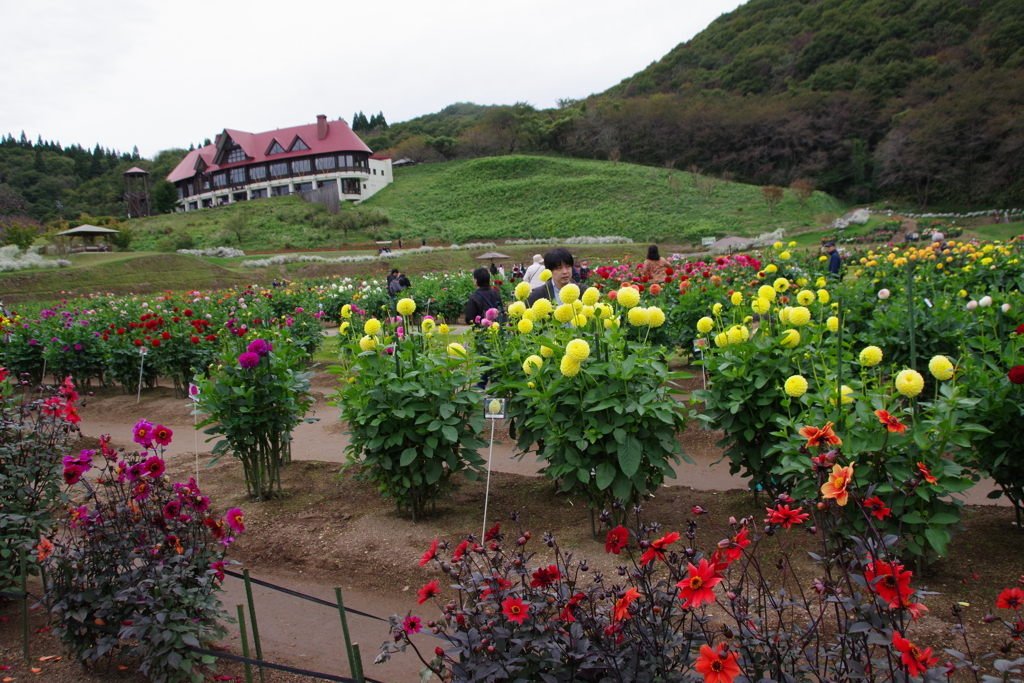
x=654, y=266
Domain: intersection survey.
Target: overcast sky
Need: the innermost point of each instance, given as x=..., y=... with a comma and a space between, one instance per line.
x=162, y=74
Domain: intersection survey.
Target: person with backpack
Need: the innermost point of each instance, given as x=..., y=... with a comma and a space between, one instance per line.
x=484, y=299
x=395, y=285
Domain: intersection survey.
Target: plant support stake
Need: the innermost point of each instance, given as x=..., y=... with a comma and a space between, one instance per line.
x=245, y=643
x=252, y=618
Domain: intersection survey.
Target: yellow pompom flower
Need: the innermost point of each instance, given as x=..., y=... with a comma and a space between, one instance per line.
x=371, y=326
x=591, y=296
x=832, y=323
x=564, y=313
x=516, y=309
x=790, y=338
x=577, y=305
x=588, y=312
x=628, y=297
x=578, y=350
x=738, y=334
x=721, y=340
x=778, y=246
x=909, y=383
x=796, y=386
x=406, y=306
x=547, y=351
x=604, y=310
x=522, y=290
x=494, y=328
x=545, y=275
x=427, y=325
x=784, y=314
x=638, y=316
x=736, y=299
x=717, y=309
x=442, y=329
x=760, y=305
x=766, y=292
x=532, y=362
x=781, y=284
x=847, y=394
x=657, y=316
x=805, y=297
x=343, y=328
x=346, y=311
x=525, y=326
x=785, y=256
x=530, y=314
x=569, y=293
x=870, y=356
x=456, y=350
x=801, y=282
x=771, y=268
x=367, y=343
x=569, y=367
x=542, y=307
x=823, y=296
x=705, y=325
x=941, y=367
x=820, y=282
x=610, y=323
x=792, y=244
x=799, y=316
x=962, y=294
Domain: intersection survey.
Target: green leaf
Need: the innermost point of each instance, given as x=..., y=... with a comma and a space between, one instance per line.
x=943, y=518
x=605, y=475
x=630, y=454
x=450, y=433
x=408, y=456
x=938, y=539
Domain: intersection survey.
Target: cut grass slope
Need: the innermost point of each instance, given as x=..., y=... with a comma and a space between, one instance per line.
x=135, y=274
x=529, y=196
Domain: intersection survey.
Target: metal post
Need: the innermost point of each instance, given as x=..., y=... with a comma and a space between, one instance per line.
x=357, y=660
x=252, y=618
x=487, y=490
x=24, y=602
x=245, y=643
x=344, y=630
x=142, y=361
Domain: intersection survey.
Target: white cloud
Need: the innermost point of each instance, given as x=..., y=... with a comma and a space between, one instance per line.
x=167, y=74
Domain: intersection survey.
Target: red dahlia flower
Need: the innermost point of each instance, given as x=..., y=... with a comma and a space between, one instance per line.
x=616, y=540
x=1016, y=373
x=162, y=435
x=876, y=507
x=430, y=554
x=457, y=555
x=622, y=604
x=699, y=587
x=411, y=624
x=890, y=421
x=717, y=667
x=890, y=581
x=914, y=658
x=234, y=519
x=566, y=614
x=734, y=547
x=781, y=514
x=1011, y=598
x=820, y=437
x=542, y=578
x=926, y=473
x=428, y=591
x=657, y=549
x=514, y=609
x=494, y=533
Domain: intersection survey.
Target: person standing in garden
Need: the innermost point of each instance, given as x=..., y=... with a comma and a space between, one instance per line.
x=835, y=262
x=484, y=299
x=560, y=263
x=655, y=266
x=532, y=275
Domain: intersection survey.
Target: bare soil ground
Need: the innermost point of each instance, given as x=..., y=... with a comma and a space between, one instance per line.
x=330, y=530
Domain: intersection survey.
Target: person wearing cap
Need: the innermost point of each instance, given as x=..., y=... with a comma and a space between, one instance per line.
x=532, y=275
x=834, y=260
x=938, y=241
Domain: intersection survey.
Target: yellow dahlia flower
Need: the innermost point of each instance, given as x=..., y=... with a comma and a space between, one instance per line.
x=781, y=284
x=736, y=298
x=530, y=314
x=456, y=350
x=588, y=312
x=717, y=309
x=516, y=309
x=909, y=383
x=545, y=275
x=371, y=326
x=784, y=314
x=591, y=296
x=547, y=351
x=525, y=326
x=799, y=316
x=564, y=313
x=847, y=396
x=722, y=340
x=532, y=362
x=823, y=296
x=785, y=256
x=522, y=290
x=343, y=328
x=367, y=343
x=569, y=367
x=766, y=292
x=771, y=268
x=657, y=316
x=604, y=310
x=541, y=307
x=346, y=311
x=870, y=356
x=406, y=306
x=738, y=334
x=427, y=325
x=442, y=328
x=832, y=323
x=805, y=297
x=569, y=293
x=778, y=246
x=628, y=297
x=796, y=386
x=638, y=316
x=761, y=305
x=790, y=338
x=578, y=350
x=940, y=367
x=705, y=325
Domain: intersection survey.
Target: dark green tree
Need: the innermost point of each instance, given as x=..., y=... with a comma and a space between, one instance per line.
x=164, y=195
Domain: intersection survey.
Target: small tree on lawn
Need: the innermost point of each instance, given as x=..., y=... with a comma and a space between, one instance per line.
x=803, y=189
x=772, y=195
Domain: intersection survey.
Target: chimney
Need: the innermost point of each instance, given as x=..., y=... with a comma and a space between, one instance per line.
x=321, y=127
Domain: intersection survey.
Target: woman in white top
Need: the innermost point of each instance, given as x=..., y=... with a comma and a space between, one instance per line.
x=532, y=275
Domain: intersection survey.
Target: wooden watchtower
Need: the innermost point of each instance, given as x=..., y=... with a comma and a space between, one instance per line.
x=136, y=192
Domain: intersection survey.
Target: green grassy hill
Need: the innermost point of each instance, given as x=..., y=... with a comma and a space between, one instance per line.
x=530, y=196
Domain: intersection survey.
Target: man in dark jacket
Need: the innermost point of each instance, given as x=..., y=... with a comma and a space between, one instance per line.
x=834, y=261
x=560, y=263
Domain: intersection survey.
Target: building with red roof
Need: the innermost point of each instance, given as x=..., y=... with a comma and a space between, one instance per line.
x=241, y=166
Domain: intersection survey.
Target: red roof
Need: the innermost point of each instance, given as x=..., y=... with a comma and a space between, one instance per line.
x=340, y=138
x=135, y=169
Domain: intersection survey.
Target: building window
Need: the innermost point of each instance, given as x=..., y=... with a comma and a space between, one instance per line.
x=275, y=148
x=345, y=160
x=239, y=196
x=279, y=191
x=206, y=184
x=220, y=179
x=350, y=186
x=304, y=187
x=190, y=192
x=301, y=166
x=181, y=194
x=237, y=176
x=237, y=154
x=258, y=194
x=192, y=206
x=223, y=200
x=298, y=145
x=207, y=203
x=325, y=163
x=333, y=184
x=257, y=172
x=374, y=171
x=279, y=170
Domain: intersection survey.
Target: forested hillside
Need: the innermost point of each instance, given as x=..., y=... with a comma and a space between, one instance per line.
x=915, y=99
